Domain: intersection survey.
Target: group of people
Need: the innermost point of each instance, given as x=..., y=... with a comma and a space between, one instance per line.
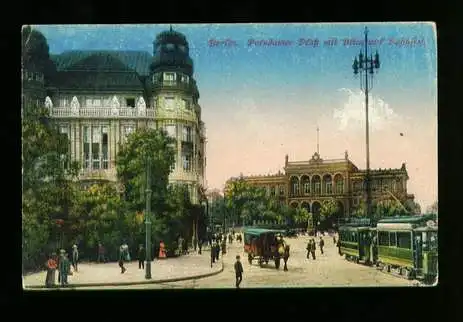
x=311, y=247
x=63, y=265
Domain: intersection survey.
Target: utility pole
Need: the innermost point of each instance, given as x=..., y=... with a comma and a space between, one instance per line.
x=366, y=65
x=148, y=218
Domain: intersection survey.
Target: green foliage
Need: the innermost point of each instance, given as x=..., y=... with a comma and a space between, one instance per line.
x=35, y=52
x=328, y=209
x=388, y=208
x=433, y=209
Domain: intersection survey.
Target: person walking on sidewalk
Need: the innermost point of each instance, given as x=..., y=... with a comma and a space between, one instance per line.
x=313, y=248
x=321, y=244
x=64, y=267
x=238, y=271
x=75, y=256
x=121, y=259
x=101, y=254
x=141, y=257
x=51, y=270
x=200, y=246
x=212, y=255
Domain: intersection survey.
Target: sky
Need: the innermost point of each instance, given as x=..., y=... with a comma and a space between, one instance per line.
x=264, y=89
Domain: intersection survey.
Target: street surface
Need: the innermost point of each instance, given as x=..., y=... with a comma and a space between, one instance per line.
x=328, y=270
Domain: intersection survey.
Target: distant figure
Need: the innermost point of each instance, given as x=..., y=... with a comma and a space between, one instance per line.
x=64, y=267
x=141, y=257
x=238, y=271
x=312, y=248
x=286, y=257
x=213, y=254
x=230, y=238
x=334, y=239
x=121, y=259
x=321, y=244
x=224, y=247
x=75, y=256
x=200, y=246
x=217, y=250
x=51, y=270
x=338, y=244
x=162, y=250
x=101, y=254
x=180, y=245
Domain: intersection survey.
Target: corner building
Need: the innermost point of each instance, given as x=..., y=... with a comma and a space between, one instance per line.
x=308, y=183
x=99, y=97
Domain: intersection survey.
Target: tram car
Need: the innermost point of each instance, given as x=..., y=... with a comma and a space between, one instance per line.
x=406, y=244
x=409, y=245
x=356, y=243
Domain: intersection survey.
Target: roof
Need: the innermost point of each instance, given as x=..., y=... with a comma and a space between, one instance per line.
x=407, y=219
x=259, y=231
x=98, y=80
x=354, y=227
x=138, y=61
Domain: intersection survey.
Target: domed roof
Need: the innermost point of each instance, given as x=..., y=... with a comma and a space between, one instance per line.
x=171, y=36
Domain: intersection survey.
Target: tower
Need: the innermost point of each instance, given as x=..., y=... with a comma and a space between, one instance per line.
x=175, y=96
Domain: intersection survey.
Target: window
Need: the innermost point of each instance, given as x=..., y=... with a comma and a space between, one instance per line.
x=383, y=238
x=329, y=187
x=187, y=137
x=88, y=102
x=307, y=188
x=186, y=158
x=282, y=190
x=86, y=147
x=185, y=79
x=272, y=191
x=170, y=46
x=169, y=77
x=404, y=240
x=295, y=188
x=171, y=130
x=393, y=239
x=97, y=102
x=170, y=103
x=63, y=102
x=185, y=104
x=317, y=188
x=96, y=140
x=339, y=187
x=130, y=102
x=104, y=143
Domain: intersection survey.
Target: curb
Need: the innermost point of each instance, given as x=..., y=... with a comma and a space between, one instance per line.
x=168, y=280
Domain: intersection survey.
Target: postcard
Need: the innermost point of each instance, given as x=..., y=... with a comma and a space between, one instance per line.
x=229, y=156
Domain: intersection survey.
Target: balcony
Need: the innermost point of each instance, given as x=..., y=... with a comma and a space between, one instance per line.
x=175, y=85
x=177, y=114
x=102, y=112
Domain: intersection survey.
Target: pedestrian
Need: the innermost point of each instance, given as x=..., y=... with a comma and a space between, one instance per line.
x=126, y=252
x=224, y=246
x=217, y=251
x=313, y=248
x=338, y=244
x=200, y=246
x=212, y=255
x=162, y=250
x=101, y=254
x=286, y=257
x=230, y=238
x=334, y=239
x=64, y=267
x=75, y=256
x=308, y=248
x=51, y=269
x=238, y=271
x=121, y=259
x=141, y=257
x=60, y=258
x=195, y=244
x=321, y=244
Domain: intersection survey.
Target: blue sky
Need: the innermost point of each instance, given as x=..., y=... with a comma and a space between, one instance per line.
x=262, y=88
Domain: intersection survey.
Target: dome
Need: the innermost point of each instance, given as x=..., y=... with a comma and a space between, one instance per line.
x=171, y=52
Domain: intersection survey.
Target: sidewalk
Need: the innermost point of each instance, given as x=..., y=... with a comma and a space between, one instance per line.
x=186, y=267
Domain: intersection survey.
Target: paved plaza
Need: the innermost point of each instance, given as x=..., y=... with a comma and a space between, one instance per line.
x=328, y=270
x=94, y=274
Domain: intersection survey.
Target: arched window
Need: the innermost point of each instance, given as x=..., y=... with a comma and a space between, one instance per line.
x=295, y=186
x=339, y=183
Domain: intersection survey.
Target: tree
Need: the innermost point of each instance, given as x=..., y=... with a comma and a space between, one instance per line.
x=35, y=52
x=388, y=208
x=328, y=209
x=432, y=209
x=131, y=166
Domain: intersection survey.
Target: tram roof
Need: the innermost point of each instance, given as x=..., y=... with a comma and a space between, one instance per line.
x=260, y=231
x=406, y=219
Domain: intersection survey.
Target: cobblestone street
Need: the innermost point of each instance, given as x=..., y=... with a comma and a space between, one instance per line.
x=328, y=270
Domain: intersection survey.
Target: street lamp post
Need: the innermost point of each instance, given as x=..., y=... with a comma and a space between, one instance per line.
x=367, y=66
x=148, y=219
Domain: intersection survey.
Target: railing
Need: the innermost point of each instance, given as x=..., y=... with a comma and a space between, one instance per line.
x=177, y=114
x=174, y=85
x=101, y=112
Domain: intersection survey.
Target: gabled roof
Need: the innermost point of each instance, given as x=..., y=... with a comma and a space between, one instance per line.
x=138, y=61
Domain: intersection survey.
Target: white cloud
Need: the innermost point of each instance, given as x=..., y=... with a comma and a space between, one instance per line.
x=352, y=114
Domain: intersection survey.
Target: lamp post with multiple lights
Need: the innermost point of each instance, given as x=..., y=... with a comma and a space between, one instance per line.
x=366, y=66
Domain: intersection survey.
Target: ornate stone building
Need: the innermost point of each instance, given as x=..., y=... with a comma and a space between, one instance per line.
x=308, y=183
x=99, y=97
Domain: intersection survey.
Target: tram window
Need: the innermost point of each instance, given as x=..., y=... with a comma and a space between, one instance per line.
x=383, y=238
x=393, y=239
x=404, y=240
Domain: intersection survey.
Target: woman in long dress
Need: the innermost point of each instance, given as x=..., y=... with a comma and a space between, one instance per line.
x=162, y=250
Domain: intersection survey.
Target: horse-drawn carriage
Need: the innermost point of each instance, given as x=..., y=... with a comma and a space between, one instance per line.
x=263, y=245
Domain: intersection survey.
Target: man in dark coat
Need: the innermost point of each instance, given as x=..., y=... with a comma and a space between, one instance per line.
x=217, y=251
x=321, y=244
x=313, y=248
x=285, y=257
x=200, y=246
x=213, y=255
x=238, y=271
x=141, y=257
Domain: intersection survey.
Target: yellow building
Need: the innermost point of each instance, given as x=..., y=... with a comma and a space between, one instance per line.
x=308, y=183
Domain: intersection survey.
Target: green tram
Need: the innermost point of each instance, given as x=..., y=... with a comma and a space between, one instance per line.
x=356, y=242
x=409, y=245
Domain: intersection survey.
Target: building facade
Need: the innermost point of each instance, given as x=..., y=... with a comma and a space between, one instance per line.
x=308, y=183
x=99, y=97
